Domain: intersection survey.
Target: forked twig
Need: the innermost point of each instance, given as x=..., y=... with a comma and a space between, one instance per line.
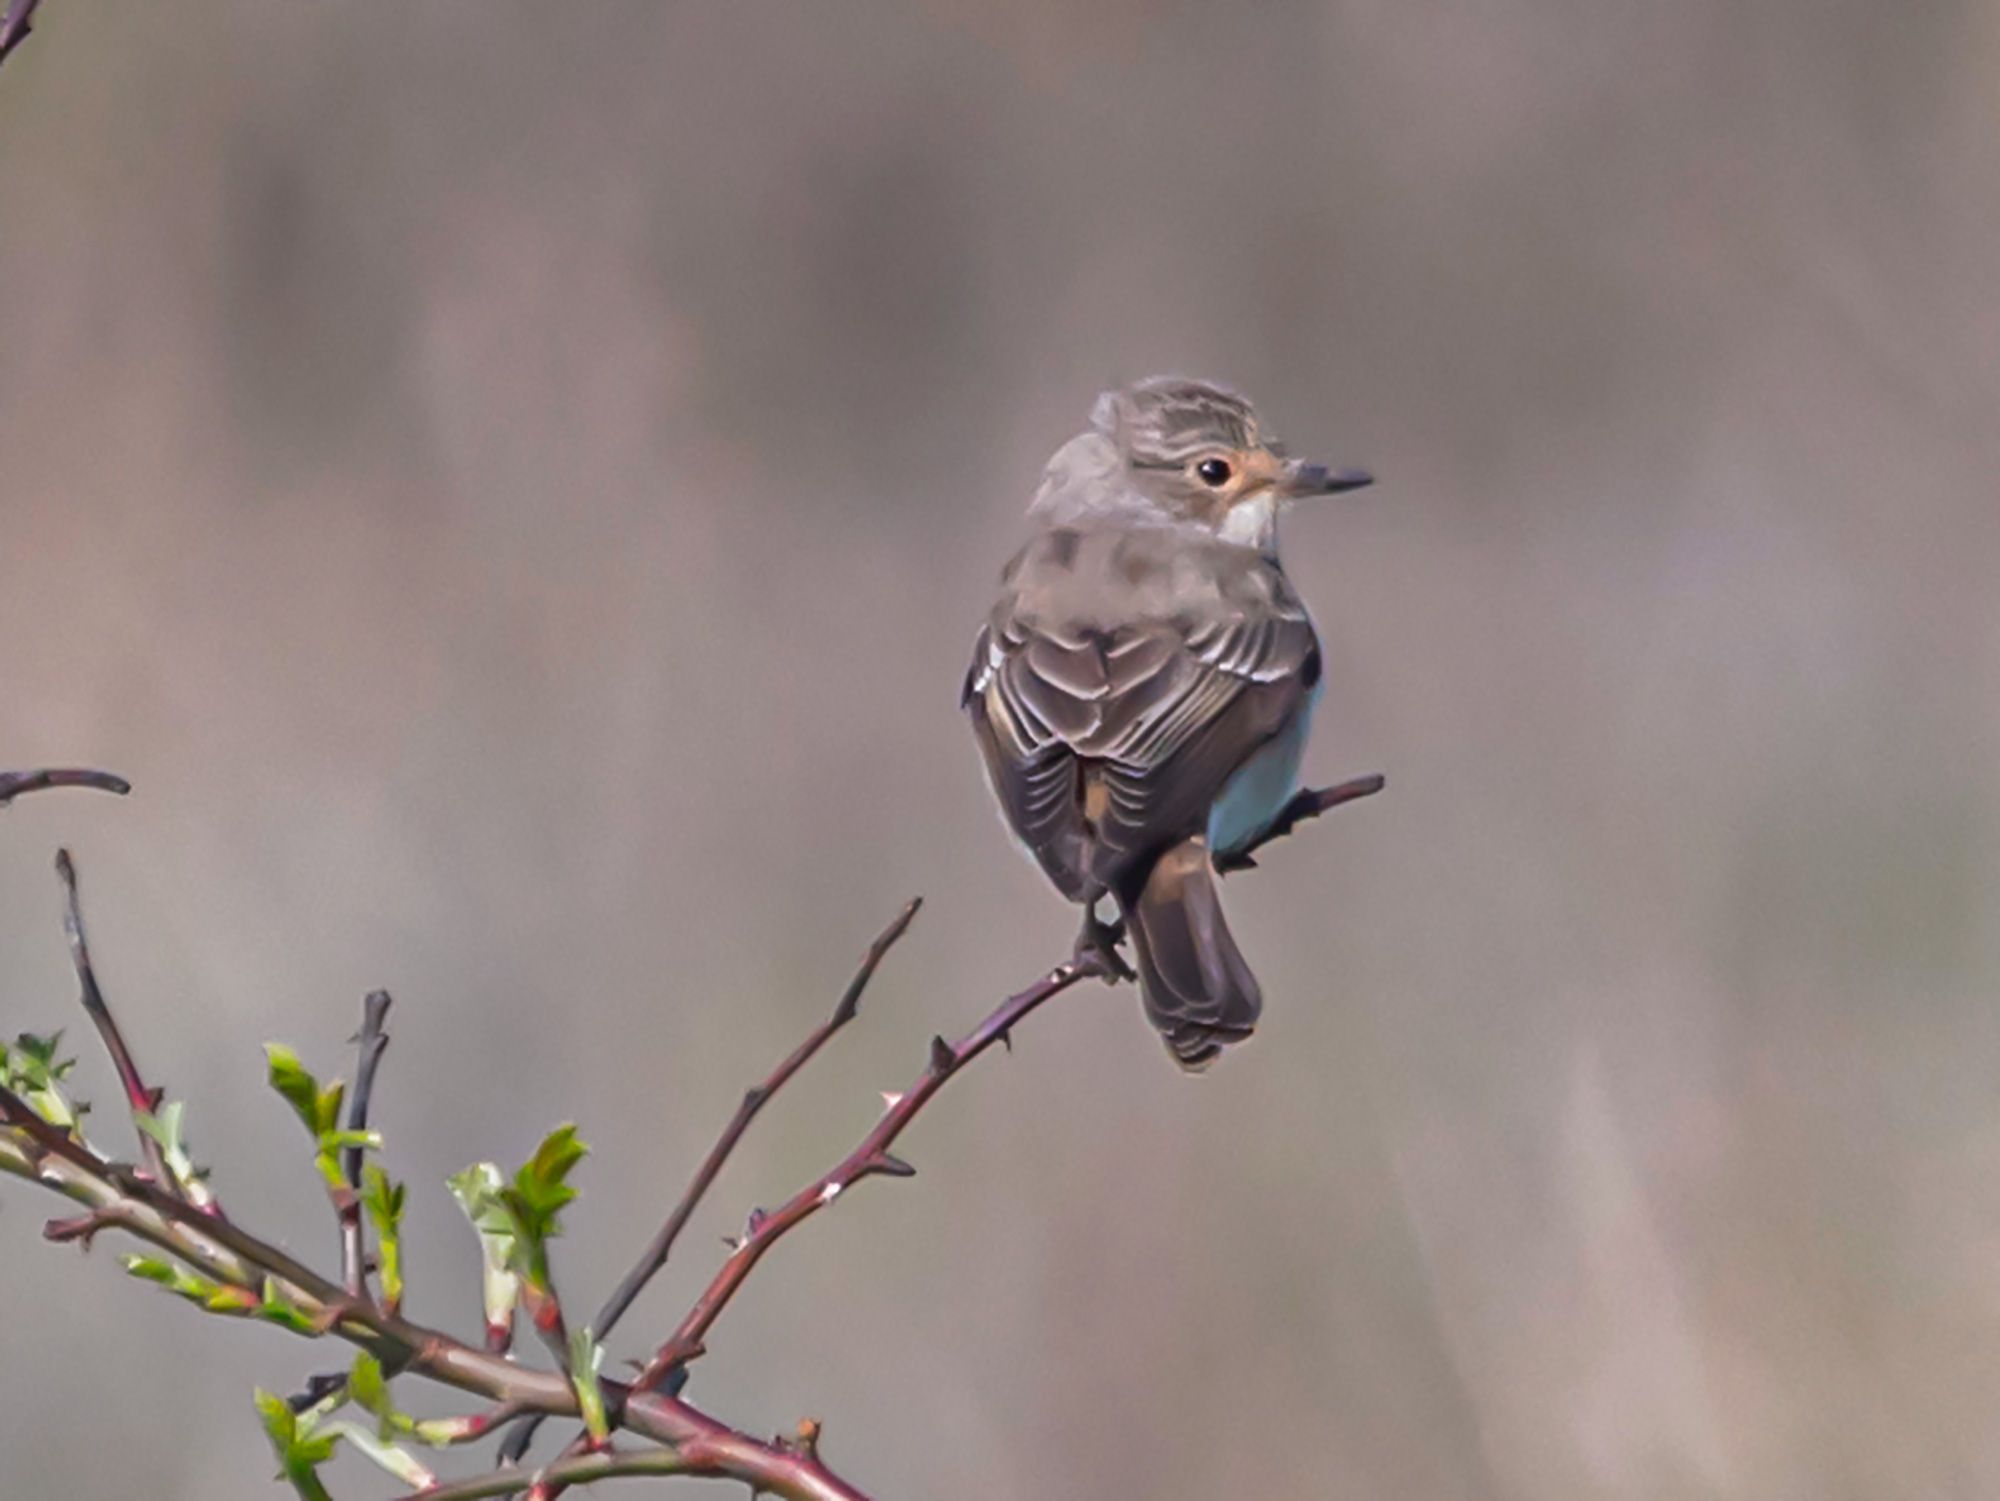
x=145, y=1102
x=754, y=1099
x=871, y=1158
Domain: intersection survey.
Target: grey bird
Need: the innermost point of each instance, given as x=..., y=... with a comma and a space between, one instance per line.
x=1143, y=688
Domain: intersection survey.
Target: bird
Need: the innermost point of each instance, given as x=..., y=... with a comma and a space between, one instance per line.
x=1142, y=690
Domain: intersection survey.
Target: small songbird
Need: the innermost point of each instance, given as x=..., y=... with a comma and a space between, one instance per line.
x=1143, y=688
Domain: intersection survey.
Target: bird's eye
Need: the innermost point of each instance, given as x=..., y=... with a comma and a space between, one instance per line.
x=1214, y=472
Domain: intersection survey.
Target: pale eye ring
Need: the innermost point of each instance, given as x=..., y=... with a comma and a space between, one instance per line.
x=1214, y=472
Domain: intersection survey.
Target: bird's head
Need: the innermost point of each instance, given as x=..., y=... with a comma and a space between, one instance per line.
x=1198, y=452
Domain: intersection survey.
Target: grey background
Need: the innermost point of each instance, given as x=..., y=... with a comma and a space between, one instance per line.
x=513, y=485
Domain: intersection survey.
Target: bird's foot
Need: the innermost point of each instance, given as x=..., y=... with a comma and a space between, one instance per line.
x=1097, y=945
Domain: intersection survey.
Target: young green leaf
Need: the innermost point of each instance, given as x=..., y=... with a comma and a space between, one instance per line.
x=369, y=1388
x=383, y=1200
x=586, y=1360
x=275, y=1307
x=478, y=1191
x=398, y=1461
x=165, y=1129
x=300, y=1451
x=32, y=1070
x=540, y=1190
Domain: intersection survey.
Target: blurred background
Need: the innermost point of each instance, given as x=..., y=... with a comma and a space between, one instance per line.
x=514, y=487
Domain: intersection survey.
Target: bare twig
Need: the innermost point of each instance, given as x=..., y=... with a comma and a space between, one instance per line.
x=143, y=1101
x=754, y=1100
x=14, y=29
x=371, y=1041
x=1306, y=804
x=871, y=1158
x=14, y=783
x=580, y=1469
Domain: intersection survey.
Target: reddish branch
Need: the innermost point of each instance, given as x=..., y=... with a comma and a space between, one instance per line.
x=150, y=1207
x=754, y=1099
x=870, y=1159
x=144, y=1101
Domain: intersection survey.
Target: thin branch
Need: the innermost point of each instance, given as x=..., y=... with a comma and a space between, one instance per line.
x=580, y=1470
x=371, y=1041
x=15, y=28
x=1306, y=804
x=871, y=1158
x=31, y=1148
x=754, y=1099
x=144, y=1101
x=14, y=783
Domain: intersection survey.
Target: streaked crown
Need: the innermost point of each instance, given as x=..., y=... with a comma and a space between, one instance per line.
x=1165, y=419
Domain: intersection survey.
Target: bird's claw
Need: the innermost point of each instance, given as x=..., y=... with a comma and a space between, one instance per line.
x=1098, y=944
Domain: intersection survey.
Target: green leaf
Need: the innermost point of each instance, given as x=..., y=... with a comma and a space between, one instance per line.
x=316, y=1106
x=32, y=1070
x=335, y=1141
x=165, y=1129
x=398, y=1461
x=300, y=1451
x=170, y=1275
x=478, y=1191
x=383, y=1200
x=276, y=1308
x=290, y=1078
x=539, y=1191
x=586, y=1360
x=369, y=1389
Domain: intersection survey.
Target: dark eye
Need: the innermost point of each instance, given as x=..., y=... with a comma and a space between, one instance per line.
x=1214, y=472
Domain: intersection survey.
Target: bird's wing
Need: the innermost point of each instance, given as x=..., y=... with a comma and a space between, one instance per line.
x=1107, y=739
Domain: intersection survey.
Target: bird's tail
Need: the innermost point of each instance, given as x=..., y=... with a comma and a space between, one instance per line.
x=1195, y=985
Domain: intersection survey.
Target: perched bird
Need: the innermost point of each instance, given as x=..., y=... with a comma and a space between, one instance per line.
x=1143, y=688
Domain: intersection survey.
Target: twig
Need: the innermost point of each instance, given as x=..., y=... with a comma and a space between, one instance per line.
x=1306, y=804
x=14, y=31
x=14, y=783
x=143, y=1101
x=754, y=1100
x=580, y=1470
x=371, y=1041
x=871, y=1158
x=32, y=1149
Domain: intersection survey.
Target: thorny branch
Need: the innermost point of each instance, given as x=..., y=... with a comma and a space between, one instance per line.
x=754, y=1099
x=145, y=1102
x=246, y=1275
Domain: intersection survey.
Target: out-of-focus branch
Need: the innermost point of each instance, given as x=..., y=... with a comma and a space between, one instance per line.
x=14, y=783
x=580, y=1469
x=14, y=29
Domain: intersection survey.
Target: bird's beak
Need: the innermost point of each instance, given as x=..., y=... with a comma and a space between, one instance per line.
x=1300, y=479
